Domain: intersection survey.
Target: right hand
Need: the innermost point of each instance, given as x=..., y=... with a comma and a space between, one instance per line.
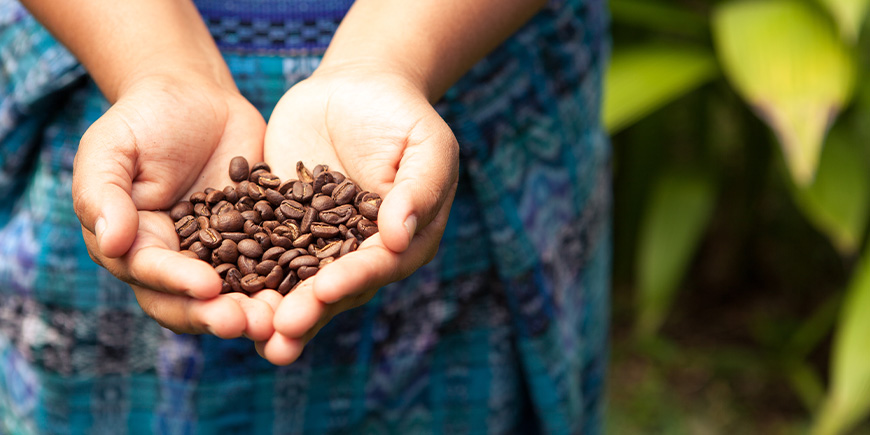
x=163, y=139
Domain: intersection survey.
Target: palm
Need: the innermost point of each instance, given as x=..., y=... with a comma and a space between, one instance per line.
x=387, y=138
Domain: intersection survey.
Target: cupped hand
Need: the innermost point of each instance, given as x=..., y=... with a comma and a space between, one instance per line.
x=378, y=128
x=162, y=140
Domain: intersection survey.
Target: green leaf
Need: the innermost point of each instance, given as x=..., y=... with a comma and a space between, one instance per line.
x=850, y=15
x=848, y=399
x=660, y=17
x=642, y=79
x=679, y=210
x=786, y=60
x=837, y=201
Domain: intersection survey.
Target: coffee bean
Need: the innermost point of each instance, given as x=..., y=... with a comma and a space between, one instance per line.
x=256, y=192
x=202, y=222
x=305, y=272
x=322, y=202
x=370, y=205
x=264, y=267
x=307, y=219
x=263, y=239
x=348, y=246
x=274, y=253
x=325, y=261
x=246, y=265
x=265, y=209
x=222, y=269
x=303, y=240
x=274, y=277
x=328, y=188
x=222, y=207
x=250, y=228
x=250, y=248
x=318, y=169
x=321, y=179
x=331, y=249
x=337, y=215
x=287, y=256
x=201, y=209
x=210, y=238
x=303, y=173
x=320, y=229
x=254, y=178
x=238, y=169
x=187, y=241
x=197, y=197
x=280, y=241
x=231, y=194
x=367, y=228
x=234, y=236
x=269, y=180
x=214, y=197
x=338, y=177
x=252, y=283
x=261, y=165
x=180, y=210
x=274, y=197
x=200, y=250
x=292, y=209
x=245, y=203
x=186, y=226
x=344, y=193
x=228, y=252
x=270, y=226
x=302, y=192
x=303, y=260
x=351, y=223
x=234, y=279
x=252, y=216
x=288, y=283
x=229, y=221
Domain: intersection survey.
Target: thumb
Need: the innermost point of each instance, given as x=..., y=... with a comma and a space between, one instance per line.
x=426, y=178
x=102, y=181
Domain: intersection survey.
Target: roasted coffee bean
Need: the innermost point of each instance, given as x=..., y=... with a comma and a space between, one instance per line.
x=270, y=225
x=252, y=283
x=348, y=246
x=305, y=272
x=359, y=197
x=288, y=283
x=252, y=216
x=265, y=209
x=325, y=261
x=286, y=186
x=322, y=202
x=222, y=207
x=269, y=180
x=250, y=228
x=307, y=219
x=318, y=169
x=246, y=264
x=200, y=250
x=189, y=253
x=210, y=238
x=202, y=222
x=273, y=253
x=180, y=210
x=280, y=241
x=302, y=192
x=234, y=236
x=337, y=215
x=328, y=188
x=289, y=255
x=201, y=209
x=303, y=240
x=338, y=177
x=370, y=205
x=229, y=221
x=187, y=241
x=264, y=267
x=226, y=288
x=214, y=197
x=344, y=193
x=186, y=226
x=250, y=248
x=331, y=249
x=351, y=223
x=222, y=269
x=303, y=260
x=231, y=194
x=324, y=230
x=239, y=169
x=197, y=197
x=256, y=192
x=214, y=258
x=242, y=187
x=312, y=249
x=366, y=228
x=263, y=239
x=261, y=165
x=245, y=203
x=303, y=173
x=254, y=178
x=234, y=279
x=274, y=197
x=292, y=209
x=319, y=243
x=228, y=252
x=274, y=277
x=293, y=231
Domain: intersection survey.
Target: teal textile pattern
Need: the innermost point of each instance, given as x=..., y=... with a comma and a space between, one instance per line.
x=505, y=331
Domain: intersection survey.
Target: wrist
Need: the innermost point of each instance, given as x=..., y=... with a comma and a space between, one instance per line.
x=401, y=74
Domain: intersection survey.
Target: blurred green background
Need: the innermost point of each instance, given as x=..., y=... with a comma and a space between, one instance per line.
x=741, y=133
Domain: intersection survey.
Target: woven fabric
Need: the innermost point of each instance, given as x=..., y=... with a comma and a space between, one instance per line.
x=505, y=331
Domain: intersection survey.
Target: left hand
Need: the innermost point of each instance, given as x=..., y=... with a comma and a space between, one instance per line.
x=378, y=129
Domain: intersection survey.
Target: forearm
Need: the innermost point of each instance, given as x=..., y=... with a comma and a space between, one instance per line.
x=433, y=43
x=122, y=42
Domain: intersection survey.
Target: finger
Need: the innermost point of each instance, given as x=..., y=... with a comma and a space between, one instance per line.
x=426, y=178
x=373, y=266
x=220, y=316
x=102, y=182
x=258, y=315
x=280, y=349
x=299, y=311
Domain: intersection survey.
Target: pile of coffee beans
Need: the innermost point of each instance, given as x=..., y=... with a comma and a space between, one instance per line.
x=263, y=233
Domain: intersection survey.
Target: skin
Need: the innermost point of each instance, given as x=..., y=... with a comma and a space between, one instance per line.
x=177, y=119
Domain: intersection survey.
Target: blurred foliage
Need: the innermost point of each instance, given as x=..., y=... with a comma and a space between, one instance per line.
x=741, y=133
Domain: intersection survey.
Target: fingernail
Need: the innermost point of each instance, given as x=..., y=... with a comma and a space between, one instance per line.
x=210, y=330
x=411, y=226
x=99, y=228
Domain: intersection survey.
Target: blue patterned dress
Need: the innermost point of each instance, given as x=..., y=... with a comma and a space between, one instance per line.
x=505, y=331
